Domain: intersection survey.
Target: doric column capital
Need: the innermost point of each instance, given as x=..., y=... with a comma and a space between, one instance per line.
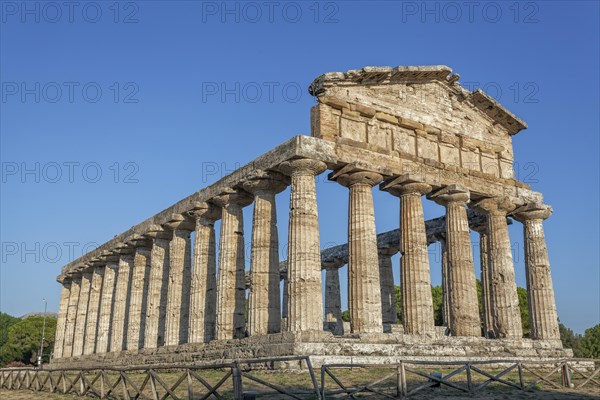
x=180, y=222
x=532, y=211
x=139, y=242
x=233, y=197
x=406, y=184
x=336, y=263
x=494, y=206
x=205, y=211
x=450, y=194
x=267, y=182
x=387, y=251
x=302, y=166
x=158, y=232
x=350, y=175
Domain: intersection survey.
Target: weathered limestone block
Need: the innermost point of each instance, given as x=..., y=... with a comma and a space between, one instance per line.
x=542, y=307
x=203, y=303
x=138, y=298
x=93, y=312
x=325, y=122
x=264, y=311
x=388, y=293
x=231, y=291
x=404, y=140
x=486, y=295
x=333, y=302
x=417, y=305
x=156, y=309
x=463, y=302
x=305, y=299
x=121, y=302
x=180, y=280
x=353, y=127
x=106, y=305
x=503, y=287
x=82, y=309
x=71, y=316
x=61, y=322
x=364, y=288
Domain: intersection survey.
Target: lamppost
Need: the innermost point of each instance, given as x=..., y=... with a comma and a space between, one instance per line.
x=43, y=333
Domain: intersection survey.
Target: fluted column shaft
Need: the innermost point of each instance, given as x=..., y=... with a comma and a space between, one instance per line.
x=264, y=311
x=61, y=322
x=284, y=304
x=231, y=292
x=120, y=304
x=71, y=316
x=506, y=313
x=305, y=298
x=156, y=309
x=93, y=311
x=178, y=291
x=417, y=304
x=542, y=306
x=106, y=305
x=138, y=299
x=82, y=308
x=333, y=302
x=203, y=303
x=388, y=292
x=463, y=301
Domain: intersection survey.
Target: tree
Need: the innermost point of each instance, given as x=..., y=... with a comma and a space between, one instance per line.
x=24, y=339
x=589, y=344
x=569, y=339
x=438, y=311
x=524, y=309
x=5, y=322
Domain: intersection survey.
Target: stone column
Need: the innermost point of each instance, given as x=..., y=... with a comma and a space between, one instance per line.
x=264, y=311
x=542, y=307
x=106, y=305
x=486, y=295
x=140, y=277
x=415, y=278
x=333, y=301
x=388, y=292
x=506, y=314
x=305, y=301
x=91, y=328
x=82, y=308
x=231, y=292
x=61, y=322
x=180, y=281
x=364, y=289
x=120, y=316
x=203, y=303
x=156, y=309
x=464, y=305
x=71, y=316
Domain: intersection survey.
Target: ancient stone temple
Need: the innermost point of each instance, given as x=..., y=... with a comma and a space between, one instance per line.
x=152, y=294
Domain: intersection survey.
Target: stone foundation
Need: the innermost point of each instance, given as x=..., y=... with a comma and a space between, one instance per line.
x=325, y=348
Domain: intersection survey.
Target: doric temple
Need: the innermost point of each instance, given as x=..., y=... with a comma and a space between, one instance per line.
x=152, y=294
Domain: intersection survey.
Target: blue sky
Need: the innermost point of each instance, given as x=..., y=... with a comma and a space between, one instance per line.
x=111, y=112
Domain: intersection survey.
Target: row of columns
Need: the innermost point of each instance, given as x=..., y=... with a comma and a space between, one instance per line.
x=149, y=293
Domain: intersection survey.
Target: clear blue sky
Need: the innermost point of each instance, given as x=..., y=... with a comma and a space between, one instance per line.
x=161, y=98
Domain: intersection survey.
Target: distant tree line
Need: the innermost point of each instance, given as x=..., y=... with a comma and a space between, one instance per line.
x=20, y=339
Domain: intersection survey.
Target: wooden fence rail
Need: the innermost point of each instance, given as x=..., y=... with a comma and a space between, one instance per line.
x=475, y=376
